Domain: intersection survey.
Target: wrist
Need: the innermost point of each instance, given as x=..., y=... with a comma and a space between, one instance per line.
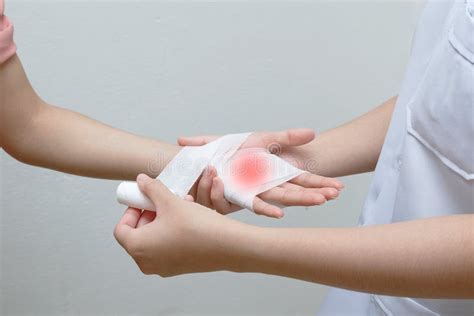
x=166, y=152
x=305, y=157
x=248, y=249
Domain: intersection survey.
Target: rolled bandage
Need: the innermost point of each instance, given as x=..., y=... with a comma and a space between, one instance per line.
x=245, y=173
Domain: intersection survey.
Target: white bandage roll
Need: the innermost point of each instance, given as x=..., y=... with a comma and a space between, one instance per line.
x=224, y=154
x=129, y=194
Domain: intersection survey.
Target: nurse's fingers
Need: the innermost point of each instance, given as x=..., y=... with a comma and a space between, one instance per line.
x=145, y=218
x=261, y=207
x=285, y=138
x=288, y=197
x=130, y=217
x=309, y=180
x=196, y=140
x=328, y=193
x=126, y=225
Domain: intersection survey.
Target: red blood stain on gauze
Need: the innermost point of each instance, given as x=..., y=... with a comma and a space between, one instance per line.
x=249, y=168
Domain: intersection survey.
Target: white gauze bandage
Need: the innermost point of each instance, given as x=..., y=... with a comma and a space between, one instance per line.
x=245, y=172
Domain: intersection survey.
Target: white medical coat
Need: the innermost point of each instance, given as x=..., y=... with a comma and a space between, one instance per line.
x=426, y=167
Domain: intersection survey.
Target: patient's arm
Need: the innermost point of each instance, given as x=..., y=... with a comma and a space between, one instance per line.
x=40, y=134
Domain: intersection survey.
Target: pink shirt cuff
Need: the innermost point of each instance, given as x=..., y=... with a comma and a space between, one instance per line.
x=7, y=46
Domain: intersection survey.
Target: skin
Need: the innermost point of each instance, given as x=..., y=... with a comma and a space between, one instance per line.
x=185, y=237
x=349, y=149
x=40, y=134
x=210, y=189
x=44, y=135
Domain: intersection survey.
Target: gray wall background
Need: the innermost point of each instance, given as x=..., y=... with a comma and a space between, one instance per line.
x=171, y=68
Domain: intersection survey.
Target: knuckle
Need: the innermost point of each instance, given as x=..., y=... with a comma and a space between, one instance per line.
x=290, y=136
x=285, y=197
x=222, y=210
x=117, y=233
x=306, y=179
x=287, y=137
x=145, y=268
x=319, y=200
x=148, y=186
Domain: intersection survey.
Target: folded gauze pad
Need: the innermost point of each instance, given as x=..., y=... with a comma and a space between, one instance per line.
x=245, y=172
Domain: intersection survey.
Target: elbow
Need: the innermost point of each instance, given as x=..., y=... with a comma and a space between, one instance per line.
x=20, y=109
x=21, y=134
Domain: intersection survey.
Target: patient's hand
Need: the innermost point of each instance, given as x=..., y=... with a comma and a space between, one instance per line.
x=305, y=190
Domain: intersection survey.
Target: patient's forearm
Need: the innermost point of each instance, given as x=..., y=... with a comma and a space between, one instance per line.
x=43, y=135
x=351, y=148
x=70, y=142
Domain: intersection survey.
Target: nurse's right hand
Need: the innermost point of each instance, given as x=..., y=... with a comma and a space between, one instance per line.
x=181, y=236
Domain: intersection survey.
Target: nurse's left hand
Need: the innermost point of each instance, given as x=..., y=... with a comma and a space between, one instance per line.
x=307, y=189
x=180, y=237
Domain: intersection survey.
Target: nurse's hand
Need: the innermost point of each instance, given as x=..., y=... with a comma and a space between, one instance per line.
x=180, y=237
x=305, y=190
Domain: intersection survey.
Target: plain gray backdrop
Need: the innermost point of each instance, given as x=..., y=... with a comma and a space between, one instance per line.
x=171, y=68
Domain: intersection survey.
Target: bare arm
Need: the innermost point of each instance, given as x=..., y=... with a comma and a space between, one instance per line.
x=431, y=258
x=40, y=134
x=351, y=148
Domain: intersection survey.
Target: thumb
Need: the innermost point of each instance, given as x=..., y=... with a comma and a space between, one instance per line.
x=196, y=140
x=289, y=137
x=156, y=191
x=274, y=141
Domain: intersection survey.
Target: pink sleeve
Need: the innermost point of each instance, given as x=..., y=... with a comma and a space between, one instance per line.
x=7, y=46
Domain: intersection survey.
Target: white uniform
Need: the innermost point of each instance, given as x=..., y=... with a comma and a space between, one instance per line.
x=426, y=167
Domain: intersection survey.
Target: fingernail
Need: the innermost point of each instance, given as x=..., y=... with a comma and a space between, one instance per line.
x=142, y=178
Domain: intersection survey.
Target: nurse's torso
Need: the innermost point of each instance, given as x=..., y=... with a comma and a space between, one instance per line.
x=426, y=167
